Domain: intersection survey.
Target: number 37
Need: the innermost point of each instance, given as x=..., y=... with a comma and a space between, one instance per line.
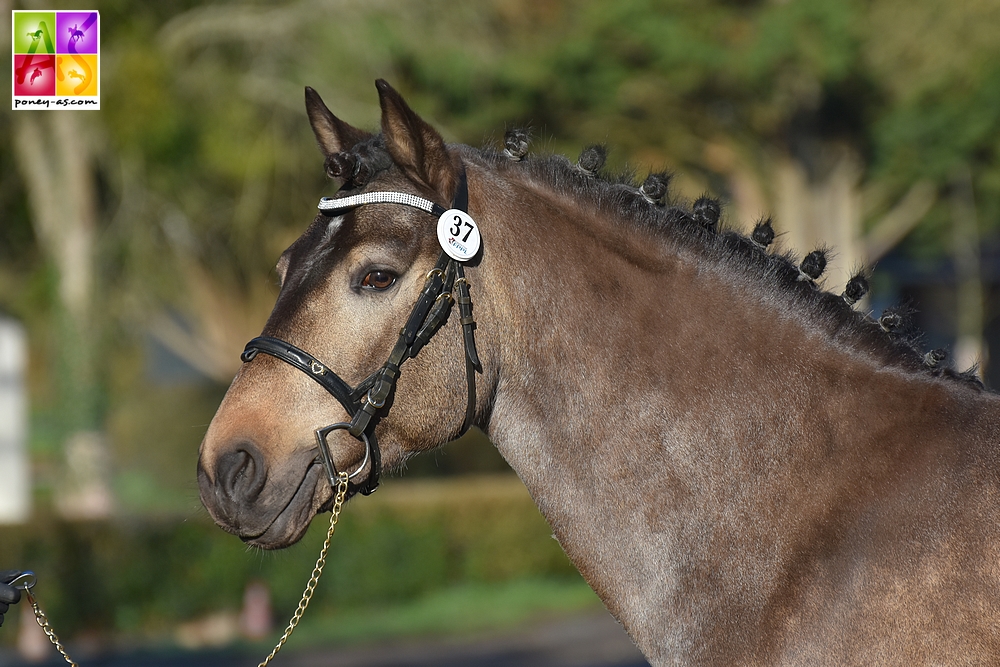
x=457, y=228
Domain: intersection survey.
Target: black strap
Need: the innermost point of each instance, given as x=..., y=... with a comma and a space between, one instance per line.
x=472, y=363
x=464, y=301
x=365, y=419
x=461, y=200
x=306, y=363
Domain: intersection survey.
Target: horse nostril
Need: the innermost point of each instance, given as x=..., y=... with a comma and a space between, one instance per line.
x=241, y=474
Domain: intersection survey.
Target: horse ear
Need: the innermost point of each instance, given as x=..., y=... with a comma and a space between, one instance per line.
x=332, y=134
x=415, y=146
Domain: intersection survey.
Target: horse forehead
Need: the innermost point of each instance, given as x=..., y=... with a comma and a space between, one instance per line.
x=329, y=233
x=307, y=264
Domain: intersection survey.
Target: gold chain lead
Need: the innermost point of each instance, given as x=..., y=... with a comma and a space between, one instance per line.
x=338, y=503
x=307, y=594
x=43, y=623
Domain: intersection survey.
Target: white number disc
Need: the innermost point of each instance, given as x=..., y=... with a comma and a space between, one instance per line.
x=458, y=235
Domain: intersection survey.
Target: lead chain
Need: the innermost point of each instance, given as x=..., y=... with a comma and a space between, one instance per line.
x=307, y=594
x=43, y=623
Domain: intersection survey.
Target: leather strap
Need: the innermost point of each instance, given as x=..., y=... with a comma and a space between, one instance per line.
x=306, y=363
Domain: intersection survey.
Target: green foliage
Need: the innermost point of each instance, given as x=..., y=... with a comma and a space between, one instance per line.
x=635, y=64
x=942, y=129
x=452, y=610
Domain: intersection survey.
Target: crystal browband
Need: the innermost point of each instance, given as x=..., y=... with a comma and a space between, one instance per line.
x=332, y=206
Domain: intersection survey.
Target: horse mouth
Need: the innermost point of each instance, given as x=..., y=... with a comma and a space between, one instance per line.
x=292, y=522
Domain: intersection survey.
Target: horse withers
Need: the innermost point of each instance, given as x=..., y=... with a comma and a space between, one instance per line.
x=744, y=468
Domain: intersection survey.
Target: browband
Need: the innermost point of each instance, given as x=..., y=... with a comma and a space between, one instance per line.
x=331, y=206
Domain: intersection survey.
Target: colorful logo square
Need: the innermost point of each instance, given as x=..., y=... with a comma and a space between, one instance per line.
x=34, y=75
x=56, y=59
x=34, y=32
x=76, y=32
x=76, y=75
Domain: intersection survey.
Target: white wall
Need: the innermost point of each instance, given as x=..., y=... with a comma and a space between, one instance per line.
x=15, y=471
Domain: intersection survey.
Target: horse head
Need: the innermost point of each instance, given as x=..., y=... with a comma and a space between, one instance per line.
x=347, y=286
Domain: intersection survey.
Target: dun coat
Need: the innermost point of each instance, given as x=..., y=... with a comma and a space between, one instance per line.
x=745, y=469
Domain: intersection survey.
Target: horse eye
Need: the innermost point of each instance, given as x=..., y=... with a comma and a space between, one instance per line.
x=378, y=280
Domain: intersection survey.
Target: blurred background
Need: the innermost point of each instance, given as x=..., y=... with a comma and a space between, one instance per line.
x=137, y=246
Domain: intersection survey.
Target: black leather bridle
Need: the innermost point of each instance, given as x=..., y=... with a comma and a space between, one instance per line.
x=366, y=404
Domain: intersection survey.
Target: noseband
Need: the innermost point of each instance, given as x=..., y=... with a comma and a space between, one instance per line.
x=366, y=404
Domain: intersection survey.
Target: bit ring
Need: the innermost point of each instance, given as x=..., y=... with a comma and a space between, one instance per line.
x=324, y=451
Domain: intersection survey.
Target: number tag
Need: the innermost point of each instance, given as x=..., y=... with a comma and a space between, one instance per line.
x=458, y=235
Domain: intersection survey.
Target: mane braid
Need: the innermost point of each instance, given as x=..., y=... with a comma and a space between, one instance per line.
x=619, y=197
x=701, y=230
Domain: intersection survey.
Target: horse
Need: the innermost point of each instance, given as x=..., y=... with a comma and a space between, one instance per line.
x=744, y=467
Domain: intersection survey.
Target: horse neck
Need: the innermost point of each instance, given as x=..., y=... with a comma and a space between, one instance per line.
x=665, y=414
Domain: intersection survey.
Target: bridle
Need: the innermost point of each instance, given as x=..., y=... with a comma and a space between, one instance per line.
x=367, y=403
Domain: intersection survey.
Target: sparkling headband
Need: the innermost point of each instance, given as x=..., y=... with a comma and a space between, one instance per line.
x=331, y=206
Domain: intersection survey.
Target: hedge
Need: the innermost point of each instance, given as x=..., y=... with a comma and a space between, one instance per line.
x=145, y=576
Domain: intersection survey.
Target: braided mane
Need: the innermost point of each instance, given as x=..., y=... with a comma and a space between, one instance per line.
x=892, y=337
